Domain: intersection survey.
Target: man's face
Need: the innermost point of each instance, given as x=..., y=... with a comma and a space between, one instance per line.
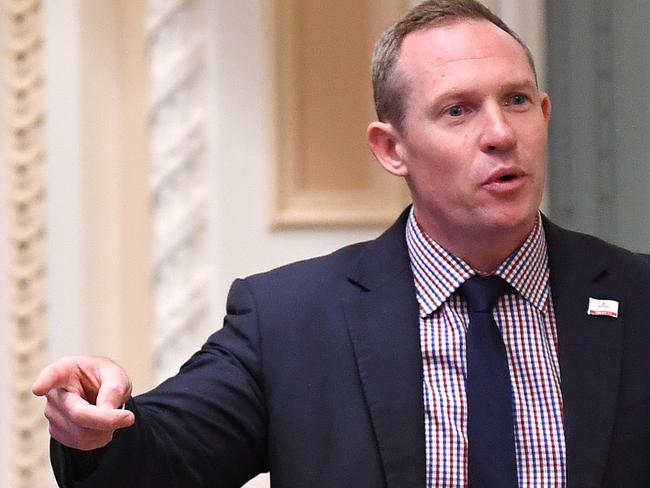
x=473, y=141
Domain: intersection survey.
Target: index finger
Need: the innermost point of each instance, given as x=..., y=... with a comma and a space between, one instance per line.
x=54, y=376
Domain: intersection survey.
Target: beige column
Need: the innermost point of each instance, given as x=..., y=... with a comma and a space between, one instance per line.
x=114, y=177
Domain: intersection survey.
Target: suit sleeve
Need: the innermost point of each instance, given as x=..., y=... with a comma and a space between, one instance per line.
x=206, y=426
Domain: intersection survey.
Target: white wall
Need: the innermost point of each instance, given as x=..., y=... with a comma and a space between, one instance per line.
x=242, y=151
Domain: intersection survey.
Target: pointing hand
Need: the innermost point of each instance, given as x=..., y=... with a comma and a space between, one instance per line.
x=84, y=396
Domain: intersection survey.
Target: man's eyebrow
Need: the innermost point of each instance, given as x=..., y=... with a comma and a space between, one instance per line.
x=519, y=85
x=453, y=93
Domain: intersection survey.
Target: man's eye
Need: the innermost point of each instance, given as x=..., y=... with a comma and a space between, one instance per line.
x=455, y=111
x=519, y=99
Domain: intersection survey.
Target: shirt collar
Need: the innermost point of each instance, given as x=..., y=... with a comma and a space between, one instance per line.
x=438, y=273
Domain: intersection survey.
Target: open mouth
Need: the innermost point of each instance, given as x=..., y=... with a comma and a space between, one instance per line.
x=507, y=177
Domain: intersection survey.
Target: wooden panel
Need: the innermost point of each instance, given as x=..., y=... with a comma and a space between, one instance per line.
x=325, y=174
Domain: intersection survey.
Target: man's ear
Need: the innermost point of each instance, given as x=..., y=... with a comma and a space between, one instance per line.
x=546, y=106
x=385, y=143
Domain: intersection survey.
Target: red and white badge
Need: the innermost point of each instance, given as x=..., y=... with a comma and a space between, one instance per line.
x=599, y=306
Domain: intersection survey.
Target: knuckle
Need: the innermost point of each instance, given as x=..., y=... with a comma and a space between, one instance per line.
x=76, y=415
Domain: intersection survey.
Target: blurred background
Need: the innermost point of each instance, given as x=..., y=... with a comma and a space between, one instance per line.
x=153, y=151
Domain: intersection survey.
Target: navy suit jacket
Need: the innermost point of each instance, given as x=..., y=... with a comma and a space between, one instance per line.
x=317, y=376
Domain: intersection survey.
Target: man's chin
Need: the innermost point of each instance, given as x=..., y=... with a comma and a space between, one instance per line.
x=519, y=222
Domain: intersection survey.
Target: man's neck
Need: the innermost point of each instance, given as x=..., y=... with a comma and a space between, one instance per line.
x=483, y=250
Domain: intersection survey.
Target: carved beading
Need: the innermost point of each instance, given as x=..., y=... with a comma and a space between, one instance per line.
x=178, y=183
x=24, y=140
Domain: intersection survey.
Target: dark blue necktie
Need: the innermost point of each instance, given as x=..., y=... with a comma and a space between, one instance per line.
x=490, y=431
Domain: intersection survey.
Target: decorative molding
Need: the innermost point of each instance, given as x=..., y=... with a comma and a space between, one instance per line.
x=177, y=178
x=24, y=143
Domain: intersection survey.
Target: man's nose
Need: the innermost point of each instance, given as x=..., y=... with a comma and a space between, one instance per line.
x=498, y=134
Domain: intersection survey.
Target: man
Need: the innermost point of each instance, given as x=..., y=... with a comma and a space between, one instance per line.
x=363, y=368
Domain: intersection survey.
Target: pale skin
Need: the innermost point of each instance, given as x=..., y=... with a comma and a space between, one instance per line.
x=472, y=150
x=84, y=396
x=472, y=146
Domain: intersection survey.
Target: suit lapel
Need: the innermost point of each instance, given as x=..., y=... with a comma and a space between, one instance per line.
x=382, y=320
x=590, y=349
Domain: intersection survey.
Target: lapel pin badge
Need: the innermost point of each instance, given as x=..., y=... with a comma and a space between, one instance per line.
x=601, y=307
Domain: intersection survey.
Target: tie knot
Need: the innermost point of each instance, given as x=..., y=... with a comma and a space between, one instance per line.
x=482, y=292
